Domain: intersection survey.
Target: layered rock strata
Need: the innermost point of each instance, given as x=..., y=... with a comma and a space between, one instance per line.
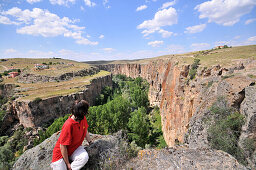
x=33, y=78
x=178, y=97
x=34, y=113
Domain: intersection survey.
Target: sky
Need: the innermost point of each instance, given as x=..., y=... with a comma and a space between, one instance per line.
x=89, y=30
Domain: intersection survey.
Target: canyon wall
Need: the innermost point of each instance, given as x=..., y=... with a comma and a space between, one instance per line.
x=180, y=98
x=34, y=78
x=36, y=113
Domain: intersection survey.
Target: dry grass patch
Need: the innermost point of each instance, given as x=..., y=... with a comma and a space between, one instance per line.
x=51, y=89
x=56, y=66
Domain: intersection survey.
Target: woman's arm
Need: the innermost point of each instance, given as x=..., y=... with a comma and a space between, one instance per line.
x=64, y=152
x=88, y=137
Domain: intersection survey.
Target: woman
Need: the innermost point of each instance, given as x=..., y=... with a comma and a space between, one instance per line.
x=68, y=146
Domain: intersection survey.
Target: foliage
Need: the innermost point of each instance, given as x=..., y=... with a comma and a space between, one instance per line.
x=156, y=137
x=139, y=127
x=227, y=76
x=105, y=96
x=127, y=108
x=110, y=117
x=37, y=100
x=249, y=146
x=224, y=133
x=55, y=127
x=6, y=157
x=193, y=69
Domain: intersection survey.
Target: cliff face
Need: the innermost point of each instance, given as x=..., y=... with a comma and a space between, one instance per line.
x=32, y=78
x=180, y=98
x=34, y=114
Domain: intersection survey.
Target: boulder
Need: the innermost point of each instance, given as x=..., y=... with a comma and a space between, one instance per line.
x=183, y=158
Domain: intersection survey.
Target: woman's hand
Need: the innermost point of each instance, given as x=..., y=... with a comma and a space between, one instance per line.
x=69, y=166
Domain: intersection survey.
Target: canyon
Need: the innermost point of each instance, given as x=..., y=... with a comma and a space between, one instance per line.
x=184, y=102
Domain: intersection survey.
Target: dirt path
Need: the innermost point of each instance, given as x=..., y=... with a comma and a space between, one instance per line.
x=4, y=67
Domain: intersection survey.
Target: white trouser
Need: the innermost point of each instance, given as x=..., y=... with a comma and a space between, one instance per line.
x=79, y=158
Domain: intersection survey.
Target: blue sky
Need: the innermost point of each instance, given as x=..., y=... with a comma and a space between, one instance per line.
x=85, y=30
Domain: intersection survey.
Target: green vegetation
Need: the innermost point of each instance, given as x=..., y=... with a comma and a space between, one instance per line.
x=227, y=76
x=55, y=127
x=123, y=107
x=37, y=100
x=193, y=69
x=224, y=133
x=11, y=148
x=126, y=107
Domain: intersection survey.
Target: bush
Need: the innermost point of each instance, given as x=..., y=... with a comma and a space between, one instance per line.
x=55, y=127
x=224, y=133
x=139, y=127
x=193, y=69
x=37, y=100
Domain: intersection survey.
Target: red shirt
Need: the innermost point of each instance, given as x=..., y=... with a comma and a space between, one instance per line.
x=72, y=134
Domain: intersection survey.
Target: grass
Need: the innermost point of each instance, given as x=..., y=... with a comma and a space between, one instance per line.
x=224, y=57
x=51, y=89
x=58, y=66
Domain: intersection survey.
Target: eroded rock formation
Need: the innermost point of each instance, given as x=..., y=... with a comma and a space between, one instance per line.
x=34, y=113
x=180, y=98
x=33, y=78
x=107, y=153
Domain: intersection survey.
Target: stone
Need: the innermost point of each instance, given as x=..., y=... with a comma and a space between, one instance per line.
x=183, y=158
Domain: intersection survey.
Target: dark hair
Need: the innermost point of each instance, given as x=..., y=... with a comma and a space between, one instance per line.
x=80, y=109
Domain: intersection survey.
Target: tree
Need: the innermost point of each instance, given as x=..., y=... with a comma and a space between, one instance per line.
x=139, y=127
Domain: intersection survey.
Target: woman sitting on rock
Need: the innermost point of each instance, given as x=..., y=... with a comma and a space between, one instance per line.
x=68, y=147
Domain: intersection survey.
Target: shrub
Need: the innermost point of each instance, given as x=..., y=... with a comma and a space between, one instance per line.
x=55, y=127
x=224, y=133
x=249, y=146
x=37, y=100
x=193, y=69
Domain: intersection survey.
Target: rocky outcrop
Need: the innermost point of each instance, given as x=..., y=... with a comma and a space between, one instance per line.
x=36, y=113
x=182, y=158
x=6, y=90
x=111, y=152
x=180, y=98
x=33, y=78
x=247, y=139
x=40, y=156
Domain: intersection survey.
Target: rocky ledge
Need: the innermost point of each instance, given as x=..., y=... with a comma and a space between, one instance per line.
x=33, y=78
x=113, y=152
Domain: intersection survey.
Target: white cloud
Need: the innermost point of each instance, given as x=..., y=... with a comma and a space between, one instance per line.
x=105, y=4
x=252, y=39
x=101, y=36
x=237, y=37
x=155, y=43
x=142, y=7
x=7, y=21
x=82, y=8
x=165, y=17
x=10, y=50
x=195, y=29
x=38, y=22
x=33, y=1
x=165, y=34
x=62, y=2
x=85, y=41
x=89, y=3
x=200, y=46
x=250, y=21
x=168, y=4
x=225, y=12
x=108, y=50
